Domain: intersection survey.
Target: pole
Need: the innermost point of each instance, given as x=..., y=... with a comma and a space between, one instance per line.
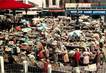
x=49, y=68
x=2, y=64
x=25, y=66
x=77, y=19
x=65, y=9
x=26, y=10
x=14, y=24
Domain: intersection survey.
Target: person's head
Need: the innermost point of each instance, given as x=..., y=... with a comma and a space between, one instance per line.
x=39, y=46
x=77, y=50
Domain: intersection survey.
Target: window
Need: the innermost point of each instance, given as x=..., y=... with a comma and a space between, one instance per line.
x=61, y=3
x=54, y=2
x=47, y=3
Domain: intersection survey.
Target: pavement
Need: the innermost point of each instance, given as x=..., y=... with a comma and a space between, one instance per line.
x=70, y=69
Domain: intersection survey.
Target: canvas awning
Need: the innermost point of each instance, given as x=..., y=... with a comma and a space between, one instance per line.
x=12, y=4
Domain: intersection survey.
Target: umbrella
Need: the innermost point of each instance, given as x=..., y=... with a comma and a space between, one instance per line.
x=42, y=26
x=12, y=4
x=76, y=32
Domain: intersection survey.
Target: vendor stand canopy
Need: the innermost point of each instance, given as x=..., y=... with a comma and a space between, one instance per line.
x=76, y=32
x=12, y=4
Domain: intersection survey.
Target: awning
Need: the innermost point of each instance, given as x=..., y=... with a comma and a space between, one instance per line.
x=12, y=4
x=30, y=13
x=56, y=10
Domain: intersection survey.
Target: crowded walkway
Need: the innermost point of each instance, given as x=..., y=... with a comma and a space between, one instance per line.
x=50, y=40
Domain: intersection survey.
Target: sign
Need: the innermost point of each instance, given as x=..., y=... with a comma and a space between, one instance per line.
x=87, y=12
x=79, y=5
x=71, y=5
x=54, y=6
x=84, y=5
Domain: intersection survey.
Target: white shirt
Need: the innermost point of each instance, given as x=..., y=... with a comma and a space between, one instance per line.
x=86, y=59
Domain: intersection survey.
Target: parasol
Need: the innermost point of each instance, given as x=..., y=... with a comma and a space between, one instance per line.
x=77, y=32
x=12, y=4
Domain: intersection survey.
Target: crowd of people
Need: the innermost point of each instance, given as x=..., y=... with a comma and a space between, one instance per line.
x=53, y=41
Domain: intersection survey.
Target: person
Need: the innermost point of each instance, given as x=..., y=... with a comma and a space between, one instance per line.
x=86, y=58
x=35, y=50
x=98, y=58
x=77, y=57
x=11, y=59
x=46, y=63
x=65, y=55
x=40, y=54
x=102, y=57
x=55, y=51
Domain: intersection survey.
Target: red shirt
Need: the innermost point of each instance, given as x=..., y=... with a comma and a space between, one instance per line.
x=77, y=56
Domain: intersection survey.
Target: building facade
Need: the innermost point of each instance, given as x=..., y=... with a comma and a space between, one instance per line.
x=54, y=7
x=61, y=3
x=54, y=3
